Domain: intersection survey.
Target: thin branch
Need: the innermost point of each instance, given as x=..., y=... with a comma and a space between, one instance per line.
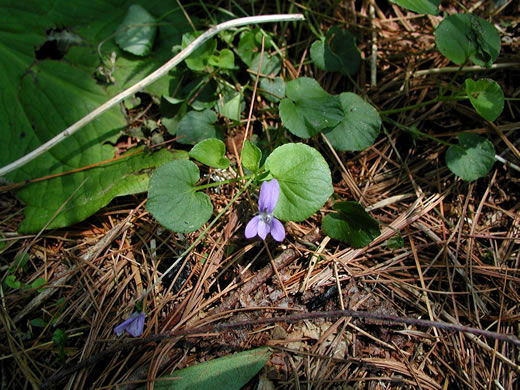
x=203, y=330
x=473, y=68
x=157, y=74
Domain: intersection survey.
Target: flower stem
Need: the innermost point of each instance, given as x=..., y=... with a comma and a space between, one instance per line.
x=440, y=98
x=218, y=183
x=423, y=104
x=417, y=132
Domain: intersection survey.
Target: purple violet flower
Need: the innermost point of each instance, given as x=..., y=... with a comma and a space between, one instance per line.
x=264, y=223
x=133, y=326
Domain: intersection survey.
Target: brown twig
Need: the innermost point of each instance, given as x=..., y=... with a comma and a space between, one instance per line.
x=288, y=319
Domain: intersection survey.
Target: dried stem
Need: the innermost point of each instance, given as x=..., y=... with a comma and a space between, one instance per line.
x=201, y=331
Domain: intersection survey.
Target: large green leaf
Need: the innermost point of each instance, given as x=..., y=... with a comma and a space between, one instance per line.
x=99, y=186
x=308, y=109
x=173, y=200
x=420, y=6
x=472, y=158
x=228, y=372
x=305, y=180
x=360, y=127
x=136, y=33
x=39, y=99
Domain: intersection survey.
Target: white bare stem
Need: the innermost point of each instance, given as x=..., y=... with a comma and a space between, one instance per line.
x=157, y=74
x=508, y=163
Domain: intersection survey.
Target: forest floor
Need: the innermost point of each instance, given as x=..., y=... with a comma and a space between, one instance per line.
x=449, y=250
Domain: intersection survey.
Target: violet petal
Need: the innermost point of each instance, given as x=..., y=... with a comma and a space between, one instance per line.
x=252, y=227
x=269, y=193
x=134, y=325
x=124, y=325
x=135, y=329
x=263, y=229
x=277, y=230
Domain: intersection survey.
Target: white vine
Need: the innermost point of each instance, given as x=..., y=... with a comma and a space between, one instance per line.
x=157, y=74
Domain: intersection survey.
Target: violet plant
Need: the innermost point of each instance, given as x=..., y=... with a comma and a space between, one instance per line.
x=296, y=182
x=299, y=179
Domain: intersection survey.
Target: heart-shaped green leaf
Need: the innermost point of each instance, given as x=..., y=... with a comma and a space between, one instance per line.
x=10, y=281
x=360, y=126
x=271, y=65
x=305, y=180
x=251, y=156
x=173, y=200
x=351, y=224
x=199, y=59
x=273, y=90
x=247, y=47
x=486, y=96
x=337, y=52
x=430, y=7
x=308, y=109
x=225, y=59
x=231, y=104
x=136, y=33
x=196, y=126
x=463, y=36
x=472, y=158
x=211, y=152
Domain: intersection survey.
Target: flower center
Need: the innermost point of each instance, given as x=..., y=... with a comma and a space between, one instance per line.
x=266, y=217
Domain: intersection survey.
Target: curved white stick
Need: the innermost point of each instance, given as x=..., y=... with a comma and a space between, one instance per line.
x=157, y=74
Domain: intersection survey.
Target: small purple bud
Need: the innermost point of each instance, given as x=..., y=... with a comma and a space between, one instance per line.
x=269, y=193
x=134, y=325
